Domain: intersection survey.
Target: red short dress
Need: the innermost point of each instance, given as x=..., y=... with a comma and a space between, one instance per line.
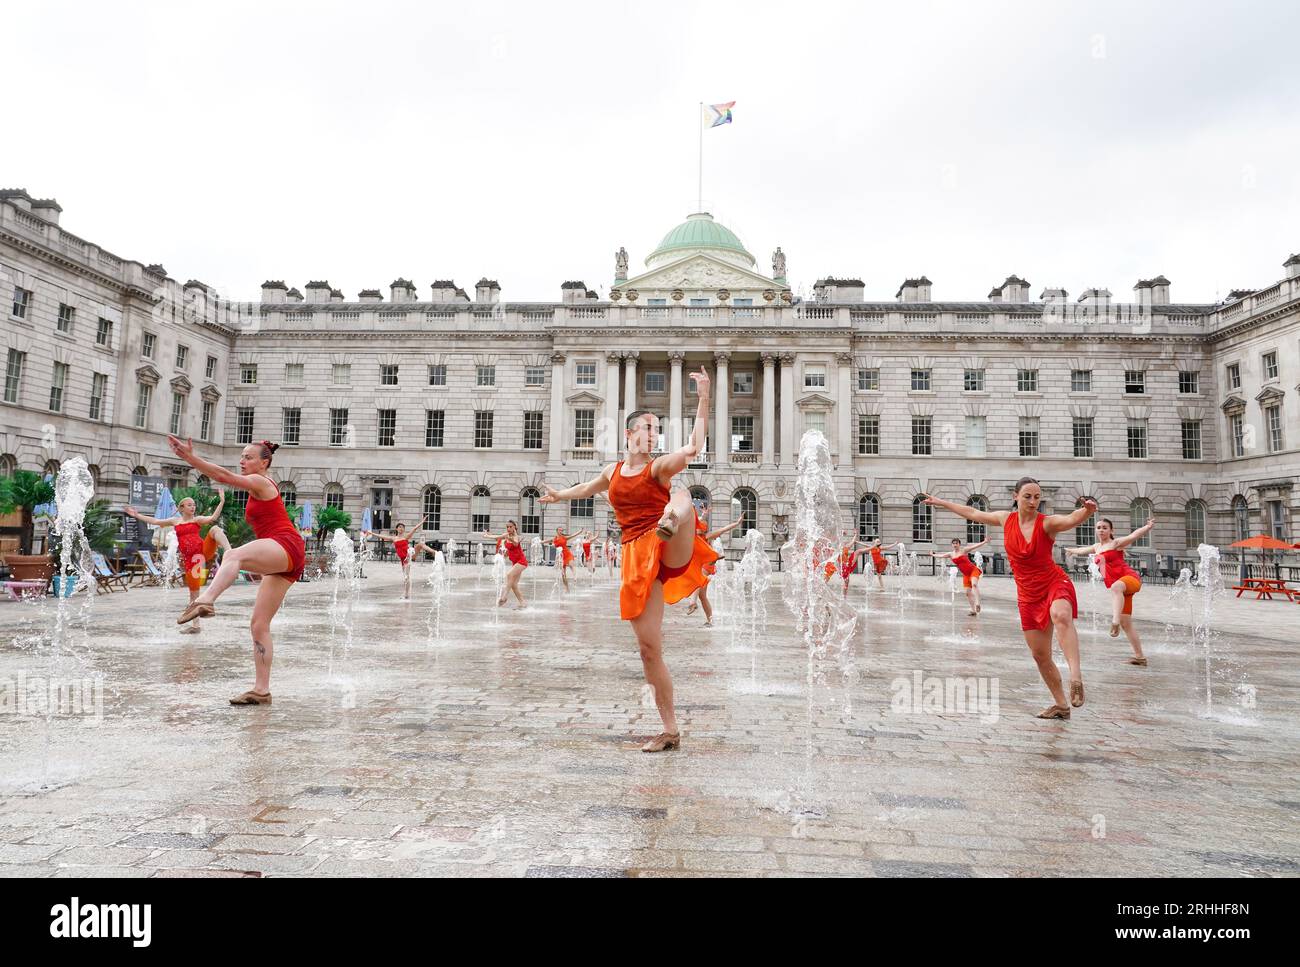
x=970, y=574
x=514, y=551
x=562, y=543
x=403, y=549
x=270, y=520
x=1115, y=568
x=1039, y=579
x=878, y=560
x=195, y=553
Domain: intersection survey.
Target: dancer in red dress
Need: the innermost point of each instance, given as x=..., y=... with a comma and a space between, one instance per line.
x=194, y=552
x=1044, y=591
x=701, y=597
x=878, y=563
x=277, y=554
x=561, y=541
x=663, y=553
x=402, y=546
x=1121, y=580
x=508, y=543
x=970, y=574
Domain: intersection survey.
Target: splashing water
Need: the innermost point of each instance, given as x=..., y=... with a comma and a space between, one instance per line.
x=1212, y=652
x=753, y=578
x=344, y=568
x=439, y=586
x=536, y=551
x=499, y=569
x=1096, y=590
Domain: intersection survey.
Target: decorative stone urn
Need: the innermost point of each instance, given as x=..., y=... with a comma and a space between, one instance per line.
x=724, y=295
x=631, y=295
x=615, y=294
x=769, y=295
x=30, y=567
x=787, y=297
x=678, y=295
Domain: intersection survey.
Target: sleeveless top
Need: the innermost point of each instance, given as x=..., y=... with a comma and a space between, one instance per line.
x=965, y=565
x=1035, y=571
x=268, y=518
x=1114, y=566
x=188, y=541
x=638, y=501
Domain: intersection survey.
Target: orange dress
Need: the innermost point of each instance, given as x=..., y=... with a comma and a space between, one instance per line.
x=701, y=529
x=878, y=560
x=563, y=544
x=638, y=503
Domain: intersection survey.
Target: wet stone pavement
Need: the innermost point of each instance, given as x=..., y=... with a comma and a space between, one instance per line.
x=508, y=745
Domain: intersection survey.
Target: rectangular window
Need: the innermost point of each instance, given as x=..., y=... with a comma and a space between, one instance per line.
x=584, y=374
x=1080, y=381
x=976, y=436
x=480, y=510
x=816, y=420
x=1029, y=436
x=974, y=381
x=921, y=434
x=66, y=316
x=291, y=426
x=1191, y=439
x=485, y=376
x=1026, y=381
x=584, y=509
x=584, y=429
x=1234, y=376
x=1270, y=366
x=205, y=423
x=655, y=383
x=1135, y=381
x=434, y=423
x=387, y=428
x=920, y=379
x=1273, y=418
x=814, y=377
x=388, y=374
x=868, y=436
x=182, y=356
x=57, y=383
x=22, y=301
x=1189, y=381
x=1277, y=519
x=742, y=384
x=868, y=380
x=104, y=333
x=1083, y=437
x=178, y=413
x=98, y=387
x=742, y=434
x=438, y=374
x=14, y=375
x=210, y=368
x=244, y=424
x=1137, y=439
x=339, y=426
x=147, y=343
x=535, y=376
x=1238, y=431
x=342, y=374
x=293, y=374
x=248, y=374
x=483, y=429
x=144, y=392
x=533, y=430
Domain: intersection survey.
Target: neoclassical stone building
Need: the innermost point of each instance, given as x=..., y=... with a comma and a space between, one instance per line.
x=460, y=407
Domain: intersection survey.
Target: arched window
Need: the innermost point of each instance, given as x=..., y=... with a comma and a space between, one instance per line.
x=922, y=520
x=1086, y=533
x=1241, y=516
x=334, y=495
x=975, y=531
x=744, y=506
x=480, y=509
x=140, y=472
x=582, y=513
x=1140, y=512
x=1195, y=523
x=93, y=470
x=430, y=507
x=700, y=496
x=868, y=517
x=530, y=511
x=203, y=481
x=51, y=468
x=288, y=493
x=8, y=465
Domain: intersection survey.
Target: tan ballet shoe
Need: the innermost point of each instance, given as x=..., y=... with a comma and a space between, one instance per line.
x=252, y=698
x=197, y=609
x=1076, y=694
x=1114, y=630
x=1138, y=661
x=663, y=741
x=1054, y=712
x=667, y=528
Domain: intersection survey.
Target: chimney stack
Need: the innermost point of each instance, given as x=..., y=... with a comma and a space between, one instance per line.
x=317, y=292
x=571, y=292
x=46, y=208
x=370, y=295
x=1014, y=289
x=400, y=290
x=1292, y=266
x=274, y=292
x=487, y=292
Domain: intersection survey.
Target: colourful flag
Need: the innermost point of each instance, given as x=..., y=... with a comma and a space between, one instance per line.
x=721, y=113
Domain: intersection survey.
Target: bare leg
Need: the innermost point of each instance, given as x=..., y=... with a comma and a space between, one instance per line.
x=1040, y=647
x=564, y=575
x=703, y=597
x=1116, y=607
x=648, y=627
x=678, y=550
x=1068, y=636
x=975, y=595
x=263, y=556
x=970, y=598
x=512, y=583
x=219, y=535
x=270, y=595
x=406, y=572
x=1126, y=622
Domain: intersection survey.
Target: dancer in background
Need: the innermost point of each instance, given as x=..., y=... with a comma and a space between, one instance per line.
x=1121, y=580
x=194, y=552
x=514, y=551
x=970, y=574
x=878, y=562
x=561, y=543
x=402, y=546
x=663, y=553
x=701, y=597
x=277, y=554
x=1044, y=591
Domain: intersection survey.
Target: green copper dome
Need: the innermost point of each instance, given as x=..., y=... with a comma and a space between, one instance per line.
x=700, y=231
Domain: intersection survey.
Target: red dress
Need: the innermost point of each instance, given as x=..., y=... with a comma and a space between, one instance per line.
x=269, y=519
x=1039, y=579
x=586, y=551
x=562, y=543
x=402, y=548
x=188, y=543
x=878, y=560
x=514, y=551
x=1114, y=567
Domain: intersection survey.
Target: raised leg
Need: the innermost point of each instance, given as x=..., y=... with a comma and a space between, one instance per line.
x=678, y=550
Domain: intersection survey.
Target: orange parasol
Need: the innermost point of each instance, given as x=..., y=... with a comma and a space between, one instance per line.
x=1262, y=542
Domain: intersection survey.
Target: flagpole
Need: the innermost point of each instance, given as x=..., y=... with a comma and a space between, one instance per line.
x=699, y=123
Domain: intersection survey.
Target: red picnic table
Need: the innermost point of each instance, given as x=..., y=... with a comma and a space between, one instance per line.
x=1266, y=588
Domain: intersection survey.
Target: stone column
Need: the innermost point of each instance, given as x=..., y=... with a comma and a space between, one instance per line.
x=788, y=456
x=844, y=411
x=629, y=387
x=769, y=409
x=721, y=393
x=675, y=436
x=557, y=406
x=613, y=437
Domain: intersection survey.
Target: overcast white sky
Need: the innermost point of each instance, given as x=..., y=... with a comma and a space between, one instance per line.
x=1076, y=144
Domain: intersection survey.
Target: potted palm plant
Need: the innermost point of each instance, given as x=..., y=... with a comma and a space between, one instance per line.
x=23, y=492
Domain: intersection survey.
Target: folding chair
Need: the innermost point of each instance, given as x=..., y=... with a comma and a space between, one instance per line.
x=106, y=579
x=151, y=576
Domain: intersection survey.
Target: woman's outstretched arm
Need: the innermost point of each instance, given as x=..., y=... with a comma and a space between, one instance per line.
x=671, y=464
x=578, y=491
x=257, y=485
x=994, y=518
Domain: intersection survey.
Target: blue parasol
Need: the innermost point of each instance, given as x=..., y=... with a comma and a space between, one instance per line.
x=308, y=519
x=365, y=519
x=166, y=505
x=46, y=510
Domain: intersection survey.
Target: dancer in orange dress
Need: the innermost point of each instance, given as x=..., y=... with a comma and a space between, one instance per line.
x=278, y=554
x=401, y=542
x=878, y=562
x=970, y=574
x=514, y=551
x=663, y=553
x=193, y=551
x=561, y=541
x=1121, y=580
x=701, y=597
x=1044, y=591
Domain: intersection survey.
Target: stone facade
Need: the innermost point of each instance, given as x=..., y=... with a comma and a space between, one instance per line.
x=978, y=379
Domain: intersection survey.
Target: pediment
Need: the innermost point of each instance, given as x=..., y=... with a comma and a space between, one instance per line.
x=210, y=393
x=700, y=273
x=1269, y=395
x=181, y=385
x=814, y=401
x=147, y=374
x=584, y=397
x=1233, y=404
